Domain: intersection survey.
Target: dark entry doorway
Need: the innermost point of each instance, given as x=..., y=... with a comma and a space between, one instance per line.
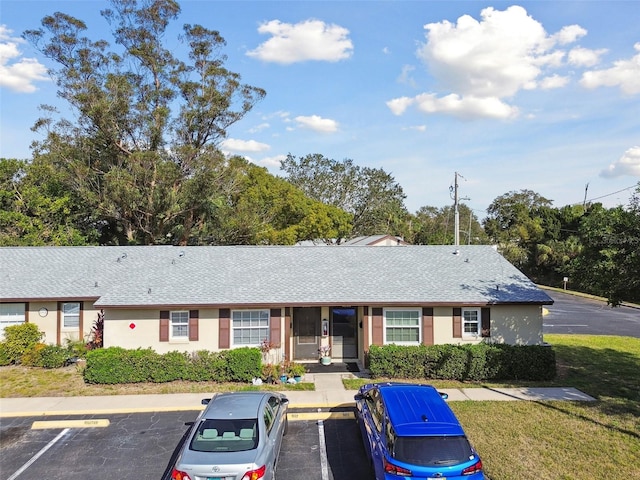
x=306, y=333
x=344, y=332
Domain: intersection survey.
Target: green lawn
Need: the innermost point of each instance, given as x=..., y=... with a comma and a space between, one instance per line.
x=517, y=440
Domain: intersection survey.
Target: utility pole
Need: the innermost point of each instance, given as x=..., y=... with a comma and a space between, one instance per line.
x=456, y=211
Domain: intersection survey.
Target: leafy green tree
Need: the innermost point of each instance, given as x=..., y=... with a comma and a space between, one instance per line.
x=147, y=123
x=35, y=208
x=435, y=226
x=373, y=198
x=609, y=263
x=514, y=227
x=260, y=209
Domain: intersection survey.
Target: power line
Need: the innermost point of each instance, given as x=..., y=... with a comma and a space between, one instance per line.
x=609, y=194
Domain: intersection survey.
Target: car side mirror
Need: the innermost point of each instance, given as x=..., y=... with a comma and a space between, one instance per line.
x=444, y=395
x=205, y=401
x=358, y=396
x=189, y=424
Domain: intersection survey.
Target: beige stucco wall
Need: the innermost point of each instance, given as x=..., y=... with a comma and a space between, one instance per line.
x=141, y=329
x=48, y=324
x=517, y=324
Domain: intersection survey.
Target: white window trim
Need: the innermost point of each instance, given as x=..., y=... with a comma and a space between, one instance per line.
x=401, y=309
x=11, y=316
x=233, y=328
x=64, y=317
x=178, y=338
x=478, y=322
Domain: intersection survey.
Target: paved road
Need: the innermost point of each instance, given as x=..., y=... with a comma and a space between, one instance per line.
x=579, y=315
x=142, y=446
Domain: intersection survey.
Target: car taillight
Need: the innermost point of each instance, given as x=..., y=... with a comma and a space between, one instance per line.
x=395, y=469
x=255, y=474
x=178, y=475
x=475, y=468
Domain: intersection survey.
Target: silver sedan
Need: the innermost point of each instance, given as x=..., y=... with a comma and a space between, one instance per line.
x=236, y=437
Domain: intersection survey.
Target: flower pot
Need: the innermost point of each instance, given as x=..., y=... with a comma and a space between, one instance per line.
x=297, y=378
x=283, y=378
x=325, y=360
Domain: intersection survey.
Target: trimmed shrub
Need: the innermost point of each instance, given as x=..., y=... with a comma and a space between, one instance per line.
x=463, y=362
x=243, y=364
x=19, y=338
x=117, y=365
x=4, y=356
x=46, y=356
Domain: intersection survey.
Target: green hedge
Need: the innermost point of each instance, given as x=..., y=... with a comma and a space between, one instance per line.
x=117, y=365
x=463, y=362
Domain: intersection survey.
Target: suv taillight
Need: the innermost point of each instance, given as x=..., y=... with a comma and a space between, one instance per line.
x=475, y=468
x=178, y=475
x=395, y=469
x=255, y=474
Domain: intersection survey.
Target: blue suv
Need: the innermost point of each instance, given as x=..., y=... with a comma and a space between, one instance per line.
x=409, y=431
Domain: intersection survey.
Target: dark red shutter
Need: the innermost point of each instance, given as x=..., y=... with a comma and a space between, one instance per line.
x=164, y=325
x=486, y=322
x=224, y=329
x=194, y=316
x=377, y=327
x=457, y=322
x=427, y=326
x=274, y=325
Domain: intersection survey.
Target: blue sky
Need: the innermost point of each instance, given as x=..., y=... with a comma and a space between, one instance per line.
x=541, y=95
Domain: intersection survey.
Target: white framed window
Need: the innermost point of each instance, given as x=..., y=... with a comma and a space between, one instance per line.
x=179, y=325
x=249, y=327
x=11, y=314
x=402, y=326
x=71, y=315
x=470, y=322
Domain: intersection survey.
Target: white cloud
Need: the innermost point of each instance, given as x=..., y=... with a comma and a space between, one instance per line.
x=318, y=124
x=399, y=105
x=405, y=75
x=468, y=107
x=483, y=62
x=554, y=81
x=585, y=57
x=236, y=145
x=259, y=128
x=308, y=40
x=272, y=161
x=18, y=74
x=624, y=74
x=628, y=164
x=569, y=34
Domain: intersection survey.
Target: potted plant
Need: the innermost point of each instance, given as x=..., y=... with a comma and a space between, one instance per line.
x=270, y=372
x=325, y=354
x=296, y=370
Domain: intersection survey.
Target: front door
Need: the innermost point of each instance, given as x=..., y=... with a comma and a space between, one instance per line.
x=306, y=333
x=344, y=332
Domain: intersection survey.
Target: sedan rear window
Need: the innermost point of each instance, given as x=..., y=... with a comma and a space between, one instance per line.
x=432, y=451
x=214, y=435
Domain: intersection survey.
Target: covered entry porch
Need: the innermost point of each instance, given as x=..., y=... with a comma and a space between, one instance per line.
x=313, y=327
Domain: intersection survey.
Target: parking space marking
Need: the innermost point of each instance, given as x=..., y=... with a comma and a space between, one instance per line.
x=89, y=423
x=321, y=416
x=324, y=464
x=38, y=455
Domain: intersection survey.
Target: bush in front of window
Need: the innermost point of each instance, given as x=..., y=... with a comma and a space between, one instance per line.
x=45, y=356
x=463, y=362
x=117, y=365
x=18, y=339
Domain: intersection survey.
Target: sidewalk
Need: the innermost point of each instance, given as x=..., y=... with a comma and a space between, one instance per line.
x=329, y=394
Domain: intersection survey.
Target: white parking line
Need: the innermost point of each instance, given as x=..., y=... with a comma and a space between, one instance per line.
x=324, y=464
x=38, y=455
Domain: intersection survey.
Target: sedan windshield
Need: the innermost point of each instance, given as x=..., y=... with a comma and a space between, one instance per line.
x=213, y=435
x=432, y=451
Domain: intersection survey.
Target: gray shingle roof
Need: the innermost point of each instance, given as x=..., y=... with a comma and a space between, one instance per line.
x=255, y=275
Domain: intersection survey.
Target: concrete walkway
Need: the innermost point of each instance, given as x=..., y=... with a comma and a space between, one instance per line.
x=329, y=395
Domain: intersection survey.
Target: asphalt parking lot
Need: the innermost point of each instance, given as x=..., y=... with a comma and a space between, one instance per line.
x=142, y=446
